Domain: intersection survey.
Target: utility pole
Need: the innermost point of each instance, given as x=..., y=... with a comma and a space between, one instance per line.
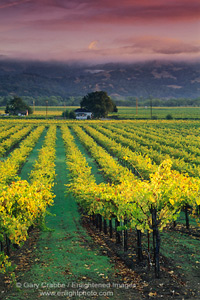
x=136, y=106
x=64, y=111
x=151, y=105
x=46, y=108
x=33, y=106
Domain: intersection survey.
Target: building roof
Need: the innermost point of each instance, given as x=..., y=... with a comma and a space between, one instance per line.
x=82, y=110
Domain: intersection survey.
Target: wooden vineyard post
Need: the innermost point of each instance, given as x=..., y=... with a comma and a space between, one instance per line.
x=110, y=228
x=100, y=222
x=93, y=219
x=156, y=242
x=139, y=245
x=105, y=226
x=125, y=237
x=187, y=218
x=148, y=249
x=117, y=223
x=97, y=221
x=1, y=246
x=90, y=218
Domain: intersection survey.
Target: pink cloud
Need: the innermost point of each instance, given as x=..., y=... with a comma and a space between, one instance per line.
x=61, y=28
x=10, y=3
x=159, y=45
x=146, y=47
x=103, y=11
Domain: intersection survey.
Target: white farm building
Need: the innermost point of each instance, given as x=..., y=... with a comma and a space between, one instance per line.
x=83, y=114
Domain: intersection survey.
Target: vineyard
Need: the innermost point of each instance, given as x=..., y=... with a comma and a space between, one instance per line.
x=136, y=185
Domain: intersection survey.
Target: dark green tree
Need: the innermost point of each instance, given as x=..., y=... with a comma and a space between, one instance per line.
x=99, y=103
x=69, y=114
x=17, y=105
x=72, y=115
x=65, y=114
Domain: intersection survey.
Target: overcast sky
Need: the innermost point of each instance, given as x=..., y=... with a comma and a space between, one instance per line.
x=100, y=30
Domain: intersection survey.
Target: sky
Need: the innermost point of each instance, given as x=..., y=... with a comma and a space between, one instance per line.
x=100, y=30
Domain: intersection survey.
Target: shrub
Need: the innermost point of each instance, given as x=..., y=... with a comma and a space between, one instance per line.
x=169, y=117
x=65, y=114
x=72, y=115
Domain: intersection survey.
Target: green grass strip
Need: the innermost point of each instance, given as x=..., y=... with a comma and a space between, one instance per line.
x=90, y=160
x=66, y=254
x=26, y=169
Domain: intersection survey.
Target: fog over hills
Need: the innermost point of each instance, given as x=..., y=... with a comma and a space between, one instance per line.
x=160, y=79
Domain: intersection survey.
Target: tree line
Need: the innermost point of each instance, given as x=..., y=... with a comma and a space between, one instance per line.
x=99, y=103
x=119, y=101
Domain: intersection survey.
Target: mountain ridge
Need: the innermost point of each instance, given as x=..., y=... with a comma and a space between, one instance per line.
x=163, y=80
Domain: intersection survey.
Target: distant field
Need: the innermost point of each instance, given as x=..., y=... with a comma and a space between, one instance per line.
x=49, y=111
x=126, y=112
x=158, y=112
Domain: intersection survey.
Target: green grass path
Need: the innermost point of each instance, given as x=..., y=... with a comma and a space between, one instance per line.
x=66, y=255
x=90, y=160
x=26, y=169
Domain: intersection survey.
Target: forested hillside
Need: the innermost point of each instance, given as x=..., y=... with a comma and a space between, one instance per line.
x=68, y=83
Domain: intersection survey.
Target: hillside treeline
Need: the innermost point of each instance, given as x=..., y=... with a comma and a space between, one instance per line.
x=126, y=101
